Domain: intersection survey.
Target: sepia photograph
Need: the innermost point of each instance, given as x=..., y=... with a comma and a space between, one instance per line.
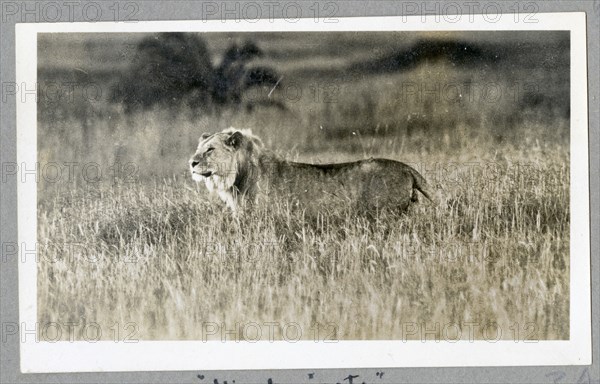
x=325, y=186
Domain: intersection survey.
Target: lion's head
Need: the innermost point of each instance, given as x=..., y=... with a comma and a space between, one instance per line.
x=225, y=161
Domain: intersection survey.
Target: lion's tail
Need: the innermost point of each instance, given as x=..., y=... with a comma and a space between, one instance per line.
x=421, y=185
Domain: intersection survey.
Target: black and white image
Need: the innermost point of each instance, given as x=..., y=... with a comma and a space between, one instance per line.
x=323, y=186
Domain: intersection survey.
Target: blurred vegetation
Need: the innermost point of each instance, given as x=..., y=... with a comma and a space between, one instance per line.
x=175, y=69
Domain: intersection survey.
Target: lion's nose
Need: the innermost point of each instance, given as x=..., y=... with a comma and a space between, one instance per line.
x=194, y=163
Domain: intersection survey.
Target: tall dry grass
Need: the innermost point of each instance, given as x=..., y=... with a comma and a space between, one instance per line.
x=161, y=254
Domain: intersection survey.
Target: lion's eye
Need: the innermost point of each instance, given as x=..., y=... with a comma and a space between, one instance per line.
x=209, y=150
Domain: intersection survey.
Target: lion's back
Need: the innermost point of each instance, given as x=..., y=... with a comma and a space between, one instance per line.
x=368, y=185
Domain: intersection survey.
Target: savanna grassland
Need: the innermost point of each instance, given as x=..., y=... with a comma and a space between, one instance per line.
x=129, y=238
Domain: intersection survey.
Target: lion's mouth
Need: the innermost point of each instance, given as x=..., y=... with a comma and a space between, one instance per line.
x=205, y=173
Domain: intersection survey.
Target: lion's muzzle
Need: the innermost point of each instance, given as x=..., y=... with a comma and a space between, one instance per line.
x=199, y=168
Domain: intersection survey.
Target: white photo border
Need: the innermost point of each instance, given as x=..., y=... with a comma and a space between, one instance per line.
x=102, y=356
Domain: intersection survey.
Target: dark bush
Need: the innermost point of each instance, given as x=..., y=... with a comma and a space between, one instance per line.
x=167, y=67
x=176, y=68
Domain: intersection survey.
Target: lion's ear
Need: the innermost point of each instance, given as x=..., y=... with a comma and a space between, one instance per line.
x=205, y=135
x=235, y=139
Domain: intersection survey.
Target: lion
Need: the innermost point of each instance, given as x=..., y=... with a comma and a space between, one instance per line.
x=235, y=166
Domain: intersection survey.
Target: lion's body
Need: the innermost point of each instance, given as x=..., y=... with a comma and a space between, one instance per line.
x=366, y=185
x=245, y=174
